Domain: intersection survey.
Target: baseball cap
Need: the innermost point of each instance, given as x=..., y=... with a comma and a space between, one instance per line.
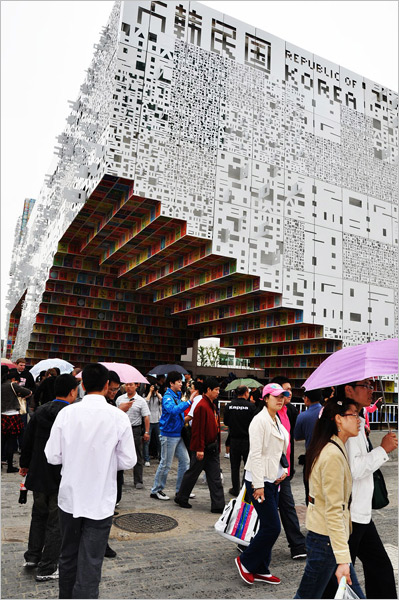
x=274, y=389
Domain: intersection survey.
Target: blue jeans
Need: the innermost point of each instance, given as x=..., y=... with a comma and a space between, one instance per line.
x=153, y=427
x=320, y=566
x=257, y=556
x=170, y=446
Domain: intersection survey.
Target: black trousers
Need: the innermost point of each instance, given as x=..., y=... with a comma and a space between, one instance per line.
x=8, y=447
x=211, y=465
x=138, y=444
x=82, y=553
x=44, y=534
x=379, y=579
x=366, y=544
x=20, y=437
x=289, y=518
x=119, y=483
x=239, y=449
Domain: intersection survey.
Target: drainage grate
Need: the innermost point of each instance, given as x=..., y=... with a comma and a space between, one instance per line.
x=145, y=522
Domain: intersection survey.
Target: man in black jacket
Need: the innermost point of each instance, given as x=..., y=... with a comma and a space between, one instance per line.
x=44, y=480
x=237, y=416
x=27, y=381
x=45, y=390
x=114, y=384
x=26, y=377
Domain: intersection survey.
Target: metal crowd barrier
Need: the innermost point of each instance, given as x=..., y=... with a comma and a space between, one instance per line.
x=389, y=415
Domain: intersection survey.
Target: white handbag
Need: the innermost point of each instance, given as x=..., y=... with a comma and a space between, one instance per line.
x=239, y=521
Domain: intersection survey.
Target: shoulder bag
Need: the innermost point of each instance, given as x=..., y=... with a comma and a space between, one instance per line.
x=22, y=402
x=380, y=494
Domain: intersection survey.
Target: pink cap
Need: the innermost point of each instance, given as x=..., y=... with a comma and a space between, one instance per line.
x=274, y=389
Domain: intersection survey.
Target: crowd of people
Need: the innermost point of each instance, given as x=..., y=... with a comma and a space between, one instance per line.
x=77, y=433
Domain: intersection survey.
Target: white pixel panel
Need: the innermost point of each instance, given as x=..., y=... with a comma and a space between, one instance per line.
x=285, y=160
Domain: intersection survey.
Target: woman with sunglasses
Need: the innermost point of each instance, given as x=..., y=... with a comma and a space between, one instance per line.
x=330, y=486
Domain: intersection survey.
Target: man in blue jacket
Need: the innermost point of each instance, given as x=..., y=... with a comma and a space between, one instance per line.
x=170, y=426
x=305, y=424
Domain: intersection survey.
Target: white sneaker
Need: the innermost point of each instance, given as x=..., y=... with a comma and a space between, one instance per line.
x=147, y=464
x=54, y=575
x=227, y=455
x=192, y=495
x=160, y=495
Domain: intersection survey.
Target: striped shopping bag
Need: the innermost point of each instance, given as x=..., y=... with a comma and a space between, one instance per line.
x=239, y=521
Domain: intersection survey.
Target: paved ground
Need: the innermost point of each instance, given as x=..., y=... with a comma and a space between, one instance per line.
x=190, y=561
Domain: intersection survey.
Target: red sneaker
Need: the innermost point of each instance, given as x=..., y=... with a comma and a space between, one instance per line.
x=267, y=578
x=247, y=577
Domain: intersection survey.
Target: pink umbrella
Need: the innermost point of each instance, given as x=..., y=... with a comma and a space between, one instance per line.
x=127, y=373
x=355, y=363
x=8, y=363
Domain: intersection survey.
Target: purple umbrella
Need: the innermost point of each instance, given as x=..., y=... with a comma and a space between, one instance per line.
x=355, y=363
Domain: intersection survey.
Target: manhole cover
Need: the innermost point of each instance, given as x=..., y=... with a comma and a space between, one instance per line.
x=145, y=522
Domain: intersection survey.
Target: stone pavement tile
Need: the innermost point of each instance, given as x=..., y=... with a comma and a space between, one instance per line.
x=392, y=552
x=208, y=571
x=190, y=561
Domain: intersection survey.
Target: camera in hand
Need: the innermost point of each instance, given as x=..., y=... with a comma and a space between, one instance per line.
x=284, y=461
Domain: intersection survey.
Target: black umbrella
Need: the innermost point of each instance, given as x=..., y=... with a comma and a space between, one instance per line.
x=165, y=369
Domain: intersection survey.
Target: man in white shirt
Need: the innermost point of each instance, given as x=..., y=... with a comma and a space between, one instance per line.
x=364, y=541
x=136, y=408
x=92, y=441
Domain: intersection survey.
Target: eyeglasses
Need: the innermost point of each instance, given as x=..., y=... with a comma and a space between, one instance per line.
x=365, y=385
x=113, y=389
x=351, y=415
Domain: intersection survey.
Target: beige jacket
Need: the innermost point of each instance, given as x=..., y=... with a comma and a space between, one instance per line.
x=266, y=444
x=330, y=485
